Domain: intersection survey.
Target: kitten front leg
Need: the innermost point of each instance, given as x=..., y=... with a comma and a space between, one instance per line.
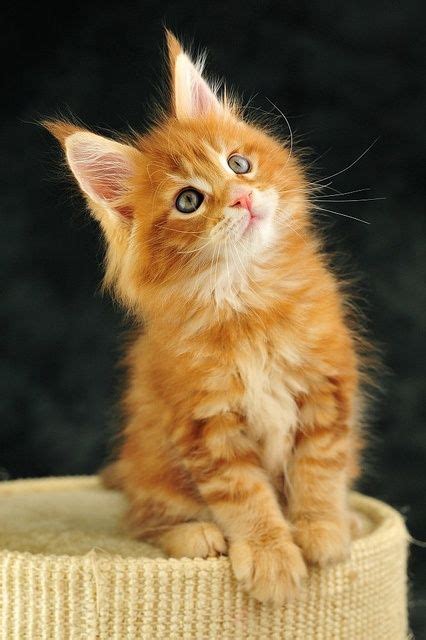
x=224, y=463
x=318, y=477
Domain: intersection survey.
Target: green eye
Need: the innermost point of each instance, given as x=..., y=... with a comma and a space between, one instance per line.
x=239, y=164
x=189, y=201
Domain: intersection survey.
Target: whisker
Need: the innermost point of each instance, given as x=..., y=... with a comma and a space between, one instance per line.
x=196, y=250
x=342, y=193
x=287, y=224
x=352, y=200
x=295, y=190
x=344, y=215
x=203, y=215
x=318, y=158
x=159, y=226
x=288, y=125
x=333, y=175
x=247, y=104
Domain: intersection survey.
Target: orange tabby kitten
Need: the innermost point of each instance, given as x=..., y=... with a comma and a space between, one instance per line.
x=241, y=431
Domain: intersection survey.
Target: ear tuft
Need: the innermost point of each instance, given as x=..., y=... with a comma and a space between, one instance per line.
x=191, y=94
x=60, y=130
x=173, y=46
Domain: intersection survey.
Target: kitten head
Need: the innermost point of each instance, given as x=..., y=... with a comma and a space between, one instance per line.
x=202, y=197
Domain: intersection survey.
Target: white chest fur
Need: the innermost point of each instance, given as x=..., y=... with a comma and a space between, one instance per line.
x=269, y=404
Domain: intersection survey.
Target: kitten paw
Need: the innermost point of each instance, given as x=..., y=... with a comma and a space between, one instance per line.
x=269, y=572
x=193, y=540
x=323, y=541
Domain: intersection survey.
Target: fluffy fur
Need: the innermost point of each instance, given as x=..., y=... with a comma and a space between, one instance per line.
x=241, y=430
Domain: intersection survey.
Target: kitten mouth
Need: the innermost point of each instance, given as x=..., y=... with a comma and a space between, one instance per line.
x=251, y=222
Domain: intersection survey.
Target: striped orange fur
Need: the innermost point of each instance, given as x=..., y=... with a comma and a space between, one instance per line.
x=241, y=412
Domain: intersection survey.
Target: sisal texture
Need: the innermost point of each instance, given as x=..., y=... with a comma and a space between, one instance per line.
x=68, y=571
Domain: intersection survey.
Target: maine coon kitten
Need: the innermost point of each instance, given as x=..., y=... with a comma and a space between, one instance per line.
x=241, y=431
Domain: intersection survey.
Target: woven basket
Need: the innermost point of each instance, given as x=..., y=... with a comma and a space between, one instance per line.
x=68, y=572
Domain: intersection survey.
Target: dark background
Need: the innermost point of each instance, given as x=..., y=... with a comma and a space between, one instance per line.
x=345, y=73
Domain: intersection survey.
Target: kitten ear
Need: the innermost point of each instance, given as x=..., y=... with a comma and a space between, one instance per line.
x=102, y=167
x=191, y=95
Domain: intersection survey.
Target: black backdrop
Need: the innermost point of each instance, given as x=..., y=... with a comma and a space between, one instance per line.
x=345, y=73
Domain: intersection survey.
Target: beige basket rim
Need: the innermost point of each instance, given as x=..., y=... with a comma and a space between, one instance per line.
x=100, y=594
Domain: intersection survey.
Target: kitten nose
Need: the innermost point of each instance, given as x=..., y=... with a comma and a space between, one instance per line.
x=242, y=199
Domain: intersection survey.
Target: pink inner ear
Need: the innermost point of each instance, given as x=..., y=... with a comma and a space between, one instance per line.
x=106, y=178
x=101, y=171
x=204, y=99
x=193, y=96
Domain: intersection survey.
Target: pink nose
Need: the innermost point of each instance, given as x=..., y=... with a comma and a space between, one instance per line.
x=242, y=199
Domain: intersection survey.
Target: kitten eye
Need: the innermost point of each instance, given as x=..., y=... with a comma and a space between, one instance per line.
x=189, y=201
x=239, y=164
